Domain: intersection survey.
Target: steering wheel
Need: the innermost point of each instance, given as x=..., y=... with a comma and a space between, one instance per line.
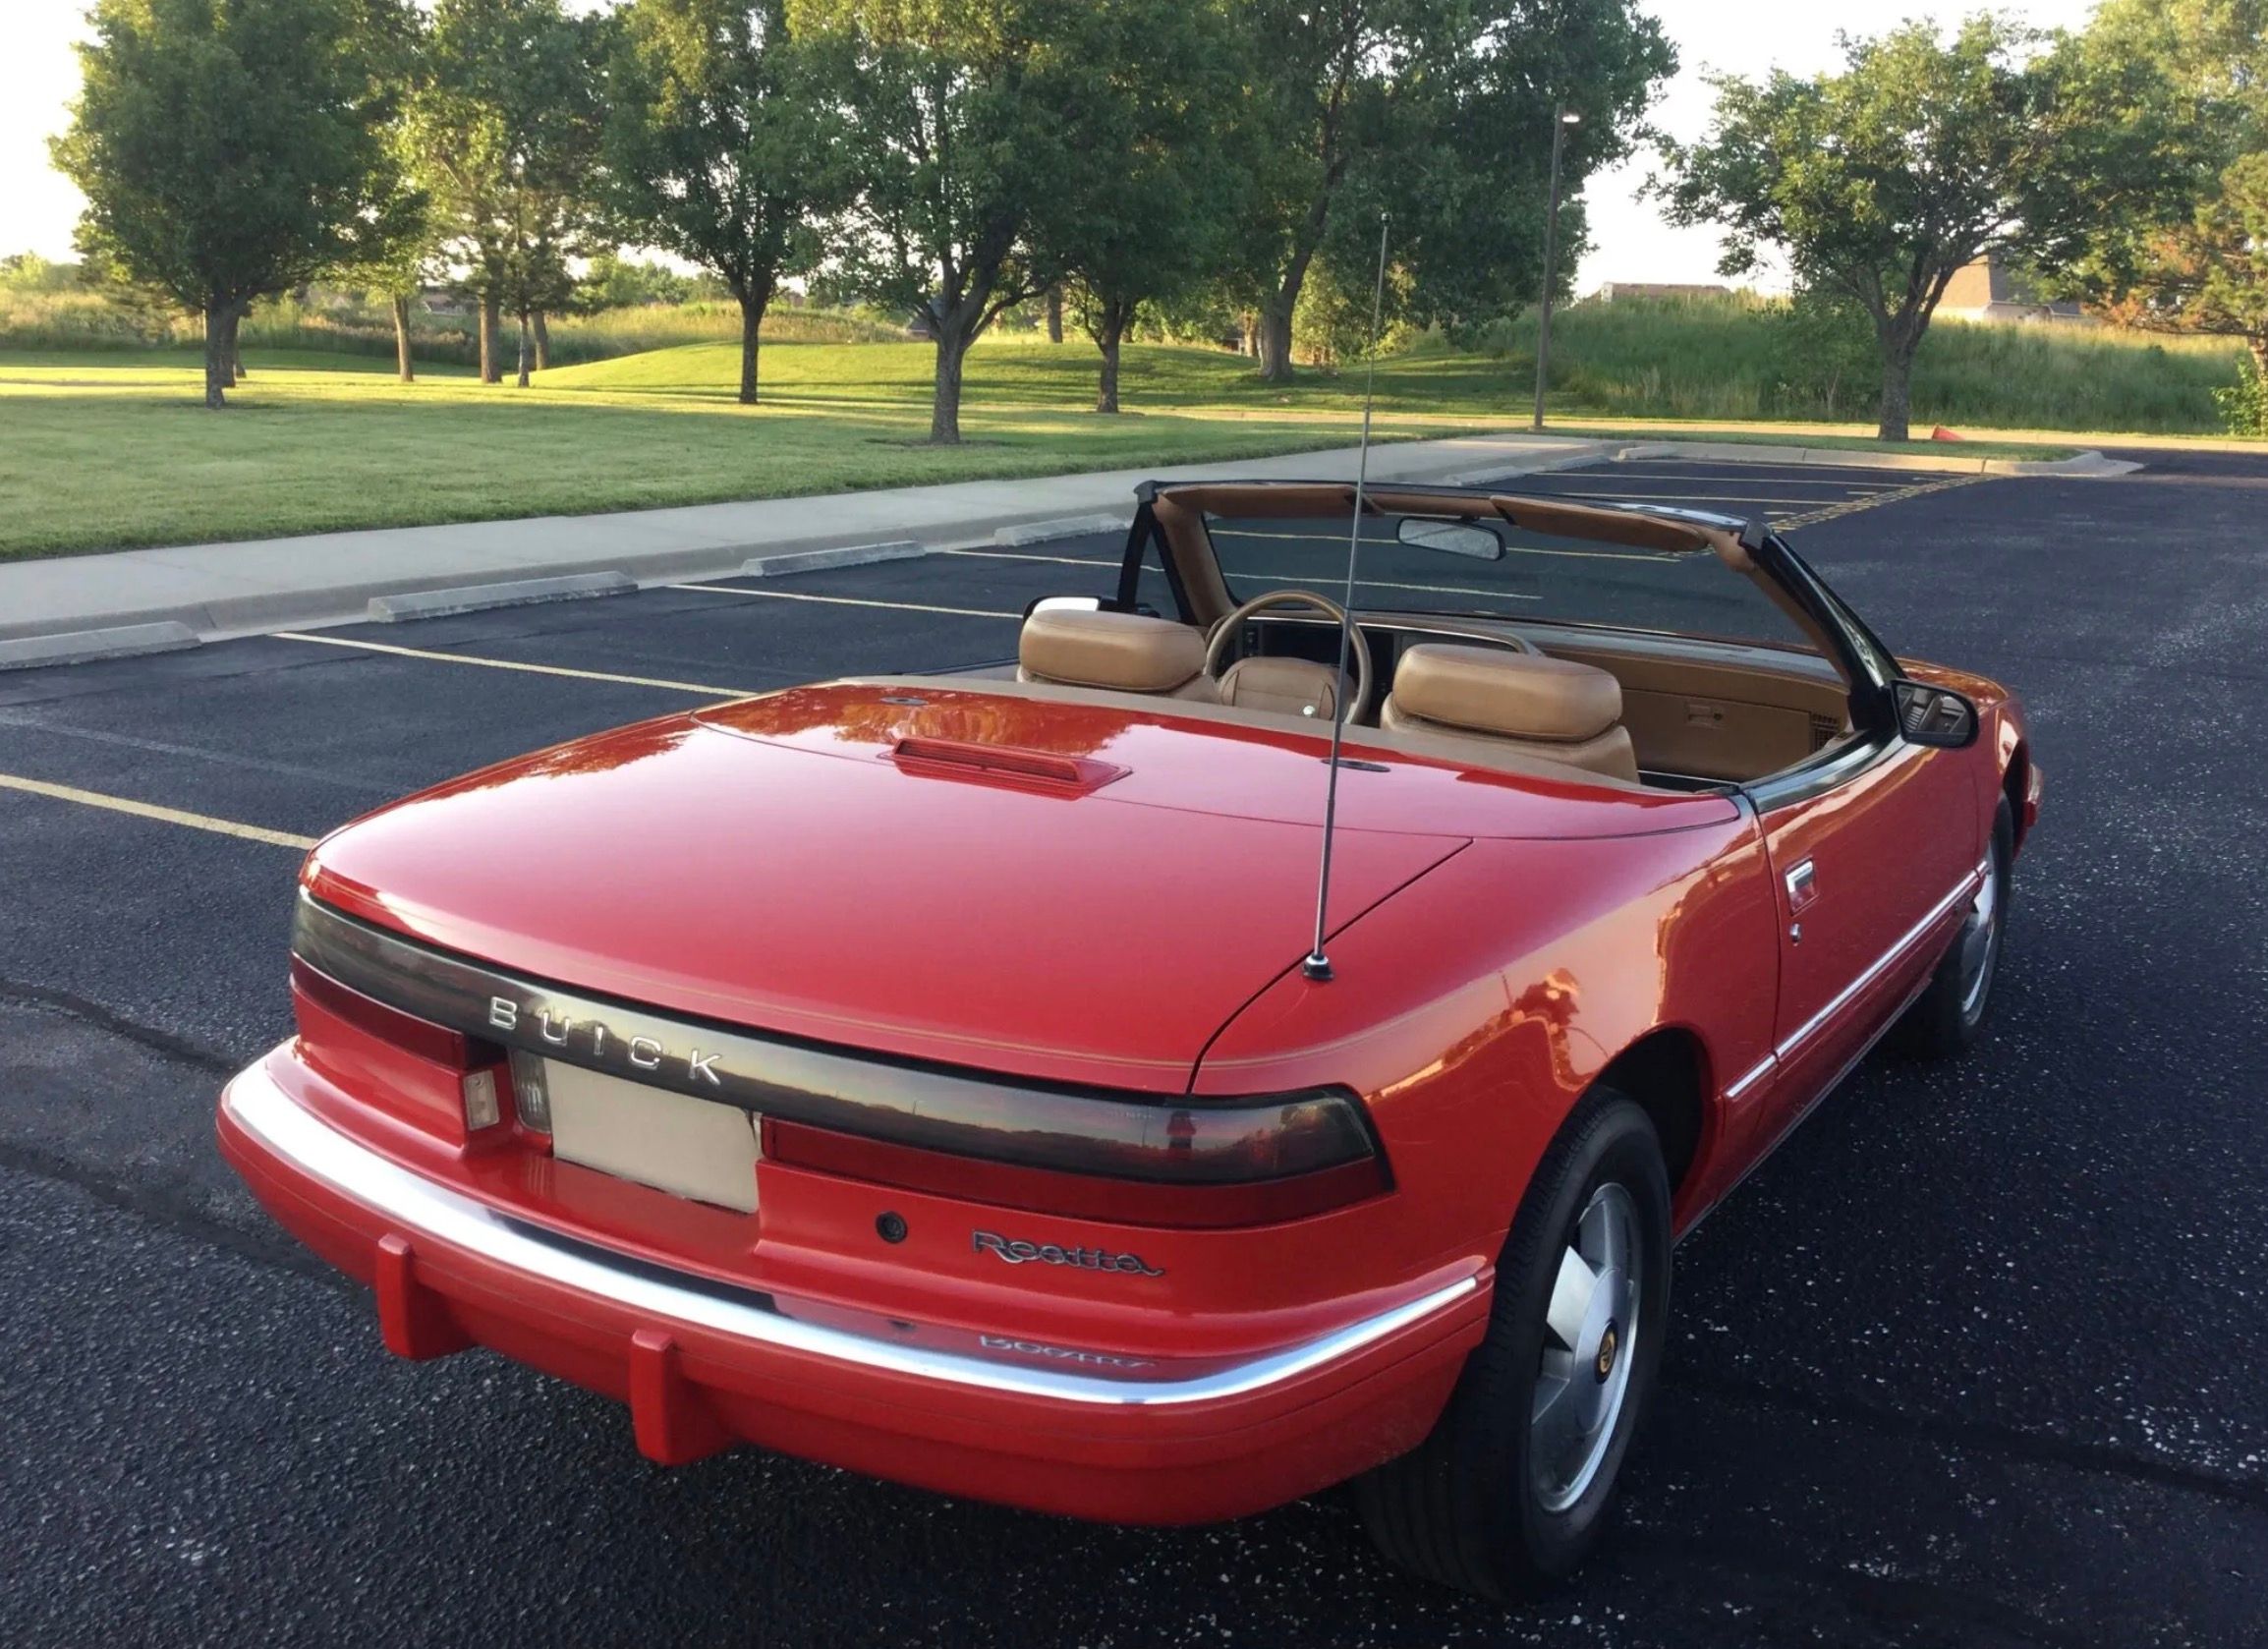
x=1224, y=633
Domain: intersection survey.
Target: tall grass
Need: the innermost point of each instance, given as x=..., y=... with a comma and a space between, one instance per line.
x=1730, y=357
x=1737, y=357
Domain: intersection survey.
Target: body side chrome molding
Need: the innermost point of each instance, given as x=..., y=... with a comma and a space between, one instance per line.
x=1966, y=890
x=289, y=1131
x=1791, y=1045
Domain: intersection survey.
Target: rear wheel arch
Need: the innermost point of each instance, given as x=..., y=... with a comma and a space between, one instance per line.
x=1665, y=1072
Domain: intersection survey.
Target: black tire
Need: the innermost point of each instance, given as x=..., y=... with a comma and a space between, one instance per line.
x=1467, y=1508
x=1951, y=1014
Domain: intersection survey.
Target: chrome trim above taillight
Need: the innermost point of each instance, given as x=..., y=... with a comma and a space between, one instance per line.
x=418, y=1206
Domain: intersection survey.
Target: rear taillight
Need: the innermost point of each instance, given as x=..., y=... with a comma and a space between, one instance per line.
x=1241, y=1164
x=488, y=1091
x=405, y=1031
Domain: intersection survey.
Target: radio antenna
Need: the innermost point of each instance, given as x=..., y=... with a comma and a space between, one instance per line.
x=1318, y=965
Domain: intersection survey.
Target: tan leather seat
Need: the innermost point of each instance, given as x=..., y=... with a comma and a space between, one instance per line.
x=1551, y=707
x=1298, y=687
x=1124, y=651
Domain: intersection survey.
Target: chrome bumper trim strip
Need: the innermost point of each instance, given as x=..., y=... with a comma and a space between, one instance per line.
x=293, y=1133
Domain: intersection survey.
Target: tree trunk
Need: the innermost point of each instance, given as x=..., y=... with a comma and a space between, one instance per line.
x=1897, y=390
x=2258, y=343
x=751, y=340
x=491, y=337
x=946, y=404
x=1113, y=324
x=1055, y=318
x=1276, y=341
x=402, y=362
x=522, y=382
x=219, y=355
x=543, y=343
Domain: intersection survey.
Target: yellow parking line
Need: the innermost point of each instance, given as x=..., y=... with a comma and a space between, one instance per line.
x=701, y=687
x=147, y=810
x=1853, y=506
x=842, y=600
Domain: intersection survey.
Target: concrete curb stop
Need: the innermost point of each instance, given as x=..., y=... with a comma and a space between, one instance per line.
x=479, y=597
x=80, y=647
x=1063, y=527
x=818, y=560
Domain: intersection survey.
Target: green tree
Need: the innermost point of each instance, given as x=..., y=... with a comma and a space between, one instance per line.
x=2203, y=265
x=229, y=151
x=723, y=139
x=1136, y=211
x=1924, y=155
x=1465, y=170
x=504, y=123
x=961, y=112
x=1440, y=113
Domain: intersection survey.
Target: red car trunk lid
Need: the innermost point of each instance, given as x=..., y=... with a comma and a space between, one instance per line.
x=1041, y=914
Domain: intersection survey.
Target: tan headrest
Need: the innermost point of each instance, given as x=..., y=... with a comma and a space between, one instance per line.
x=1514, y=695
x=1130, y=651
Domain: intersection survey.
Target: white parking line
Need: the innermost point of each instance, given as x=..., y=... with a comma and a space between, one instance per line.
x=1020, y=555
x=841, y=601
x=1687, y=498
x=1776, y=478
x=150, y=810
x=699, y=687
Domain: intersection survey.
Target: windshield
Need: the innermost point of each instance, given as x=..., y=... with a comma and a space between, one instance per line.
x=1537, y=576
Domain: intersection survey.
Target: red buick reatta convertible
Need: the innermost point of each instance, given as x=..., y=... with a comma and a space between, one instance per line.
x=949, y=1076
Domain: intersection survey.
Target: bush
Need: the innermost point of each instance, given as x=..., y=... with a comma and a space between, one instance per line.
x=2244, y=404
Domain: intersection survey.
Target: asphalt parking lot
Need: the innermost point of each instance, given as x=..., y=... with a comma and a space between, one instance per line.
x=1976, y=1359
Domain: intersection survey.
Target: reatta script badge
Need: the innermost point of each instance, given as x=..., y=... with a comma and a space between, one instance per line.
x=1019, y=1253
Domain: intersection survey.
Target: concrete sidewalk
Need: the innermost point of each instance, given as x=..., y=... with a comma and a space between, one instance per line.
x=205, y=592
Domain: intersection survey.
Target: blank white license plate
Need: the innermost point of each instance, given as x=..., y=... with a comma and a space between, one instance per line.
x=693, y=1147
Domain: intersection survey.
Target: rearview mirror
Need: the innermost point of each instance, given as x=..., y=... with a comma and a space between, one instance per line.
x=1469, y=538
x=1935, y=716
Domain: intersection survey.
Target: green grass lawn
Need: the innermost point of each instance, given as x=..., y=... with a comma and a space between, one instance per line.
x=110, y=449
x=107, y=451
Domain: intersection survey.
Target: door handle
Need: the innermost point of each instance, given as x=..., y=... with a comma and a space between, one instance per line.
x=1802, y=885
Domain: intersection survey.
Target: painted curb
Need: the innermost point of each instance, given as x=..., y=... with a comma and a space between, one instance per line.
x=480, y=598
x=80, y=647
x=1063, y=527
x=818, y=560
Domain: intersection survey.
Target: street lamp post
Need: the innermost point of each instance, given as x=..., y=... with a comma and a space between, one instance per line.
x=1562, y=118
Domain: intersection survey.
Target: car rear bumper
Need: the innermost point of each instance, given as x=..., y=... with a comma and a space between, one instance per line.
x=703, y=1364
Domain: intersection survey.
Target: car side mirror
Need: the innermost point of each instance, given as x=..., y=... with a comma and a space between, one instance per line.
x=1468, y=539
x=1935, y=716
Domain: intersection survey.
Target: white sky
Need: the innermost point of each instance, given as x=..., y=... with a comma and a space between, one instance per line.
x=38, y=77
